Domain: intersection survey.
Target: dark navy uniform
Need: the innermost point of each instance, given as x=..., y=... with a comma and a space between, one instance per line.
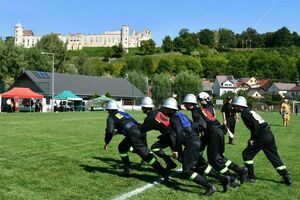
x=199, y=126
x=230, y=116
x=216, y=147
x=261, y=138
x=126, y=125
x=157, y=120
x=183, y=135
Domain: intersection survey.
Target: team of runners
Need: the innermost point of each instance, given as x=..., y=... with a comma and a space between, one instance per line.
x=188, y=140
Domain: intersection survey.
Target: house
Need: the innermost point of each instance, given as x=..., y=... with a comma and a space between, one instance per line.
x=294, y=92
x=264, y=84
x=80, y=85
x=281, y=88
x=255, y=93
x=224, y=84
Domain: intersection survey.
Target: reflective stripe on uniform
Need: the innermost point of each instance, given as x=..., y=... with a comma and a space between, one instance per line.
x=152, y=161
x=281, y=167
x=131, y=149
x=231, y=135
x=249, y=162
x=228, y=163
x=194, y=175
x=156, y=149
x=123, y=155
x=224, y=170
x=207, y=170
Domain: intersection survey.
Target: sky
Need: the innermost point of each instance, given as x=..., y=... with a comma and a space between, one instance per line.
x=162, y=17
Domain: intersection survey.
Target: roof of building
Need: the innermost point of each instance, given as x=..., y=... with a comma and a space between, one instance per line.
x=207, y=85
x=85, y=85
x=27, y=33
x=222, y=78
x=252, y=91
x=296, y=88
x=285, y=86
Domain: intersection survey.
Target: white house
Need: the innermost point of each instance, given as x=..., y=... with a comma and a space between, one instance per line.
x=281, y=88
x=224, y=84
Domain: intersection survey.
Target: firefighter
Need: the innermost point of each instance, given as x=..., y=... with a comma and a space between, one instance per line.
x=199, y=125
x=216, y=146
x=285, y=111
x=230, y=117
x=183, y=135
x=119, y=122
x=261, y=138
x=157, y=120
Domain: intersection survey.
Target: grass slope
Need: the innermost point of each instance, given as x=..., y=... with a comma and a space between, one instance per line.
x=60, y=156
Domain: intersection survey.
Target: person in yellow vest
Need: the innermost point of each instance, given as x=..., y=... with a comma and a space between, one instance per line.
x=285, y=112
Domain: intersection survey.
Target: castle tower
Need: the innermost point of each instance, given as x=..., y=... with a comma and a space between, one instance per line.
x=18, y=35
x=125, y=36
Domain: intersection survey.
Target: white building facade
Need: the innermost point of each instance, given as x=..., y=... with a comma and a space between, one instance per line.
x=27, y=39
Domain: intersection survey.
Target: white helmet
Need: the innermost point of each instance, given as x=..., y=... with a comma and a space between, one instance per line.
x=240, y=101
x=147, y=103
x=170, y=103
x=190, y=98
x=112, y=105
x=204, y=96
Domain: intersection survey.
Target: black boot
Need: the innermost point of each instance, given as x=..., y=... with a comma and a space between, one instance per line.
x=169, y=162
x=209, y=188
x=287, y=180
x=242, y=172
x=225, y=180
x=127, y=171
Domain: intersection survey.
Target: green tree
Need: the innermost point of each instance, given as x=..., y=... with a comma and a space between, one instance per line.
x=118, y=51
x=52, y=44
x=186, y=82
x=226, y=38
x=147, y=47
x=161, y=88
x=282, y=38
x=207, y=37
x=138, y=79
x=167, y=44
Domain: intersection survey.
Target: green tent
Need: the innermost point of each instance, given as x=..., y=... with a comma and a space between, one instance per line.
x=98, y=103
x=68, y=95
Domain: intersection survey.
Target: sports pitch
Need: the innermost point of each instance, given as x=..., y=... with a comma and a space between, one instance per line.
x=61, y=156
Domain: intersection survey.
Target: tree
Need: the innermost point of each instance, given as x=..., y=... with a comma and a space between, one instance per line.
x=167, y=45
x=118, y=51
x=226, y=38
x=138, y=80
x=148, y=47
x=207, y=37
x=161, y=88
x=52, y=44
x=282, y=38
x=251, y=39
x=186, y=82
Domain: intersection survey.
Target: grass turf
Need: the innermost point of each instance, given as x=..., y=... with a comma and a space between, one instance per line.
x=61, y=156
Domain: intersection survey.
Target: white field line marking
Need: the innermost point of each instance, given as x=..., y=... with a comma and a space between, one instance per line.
x=143, y=188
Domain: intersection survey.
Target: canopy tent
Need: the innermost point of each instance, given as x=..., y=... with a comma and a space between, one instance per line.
x=18, y=92
x=98, y=103
x=68, y=95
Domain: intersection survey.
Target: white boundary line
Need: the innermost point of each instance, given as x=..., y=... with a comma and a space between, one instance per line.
x=140, y=189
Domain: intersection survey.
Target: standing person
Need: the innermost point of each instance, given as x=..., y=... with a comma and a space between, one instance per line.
x=199, y=125
x=119, y=122
x=230, y=116
x=285, y=111
x=157, y=120
x=183, y=135
x=261, y=139
x=216, y=146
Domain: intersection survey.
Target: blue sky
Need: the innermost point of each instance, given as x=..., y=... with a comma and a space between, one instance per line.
x=162, y=17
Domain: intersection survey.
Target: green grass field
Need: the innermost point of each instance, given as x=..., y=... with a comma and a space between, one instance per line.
x=61, y=156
